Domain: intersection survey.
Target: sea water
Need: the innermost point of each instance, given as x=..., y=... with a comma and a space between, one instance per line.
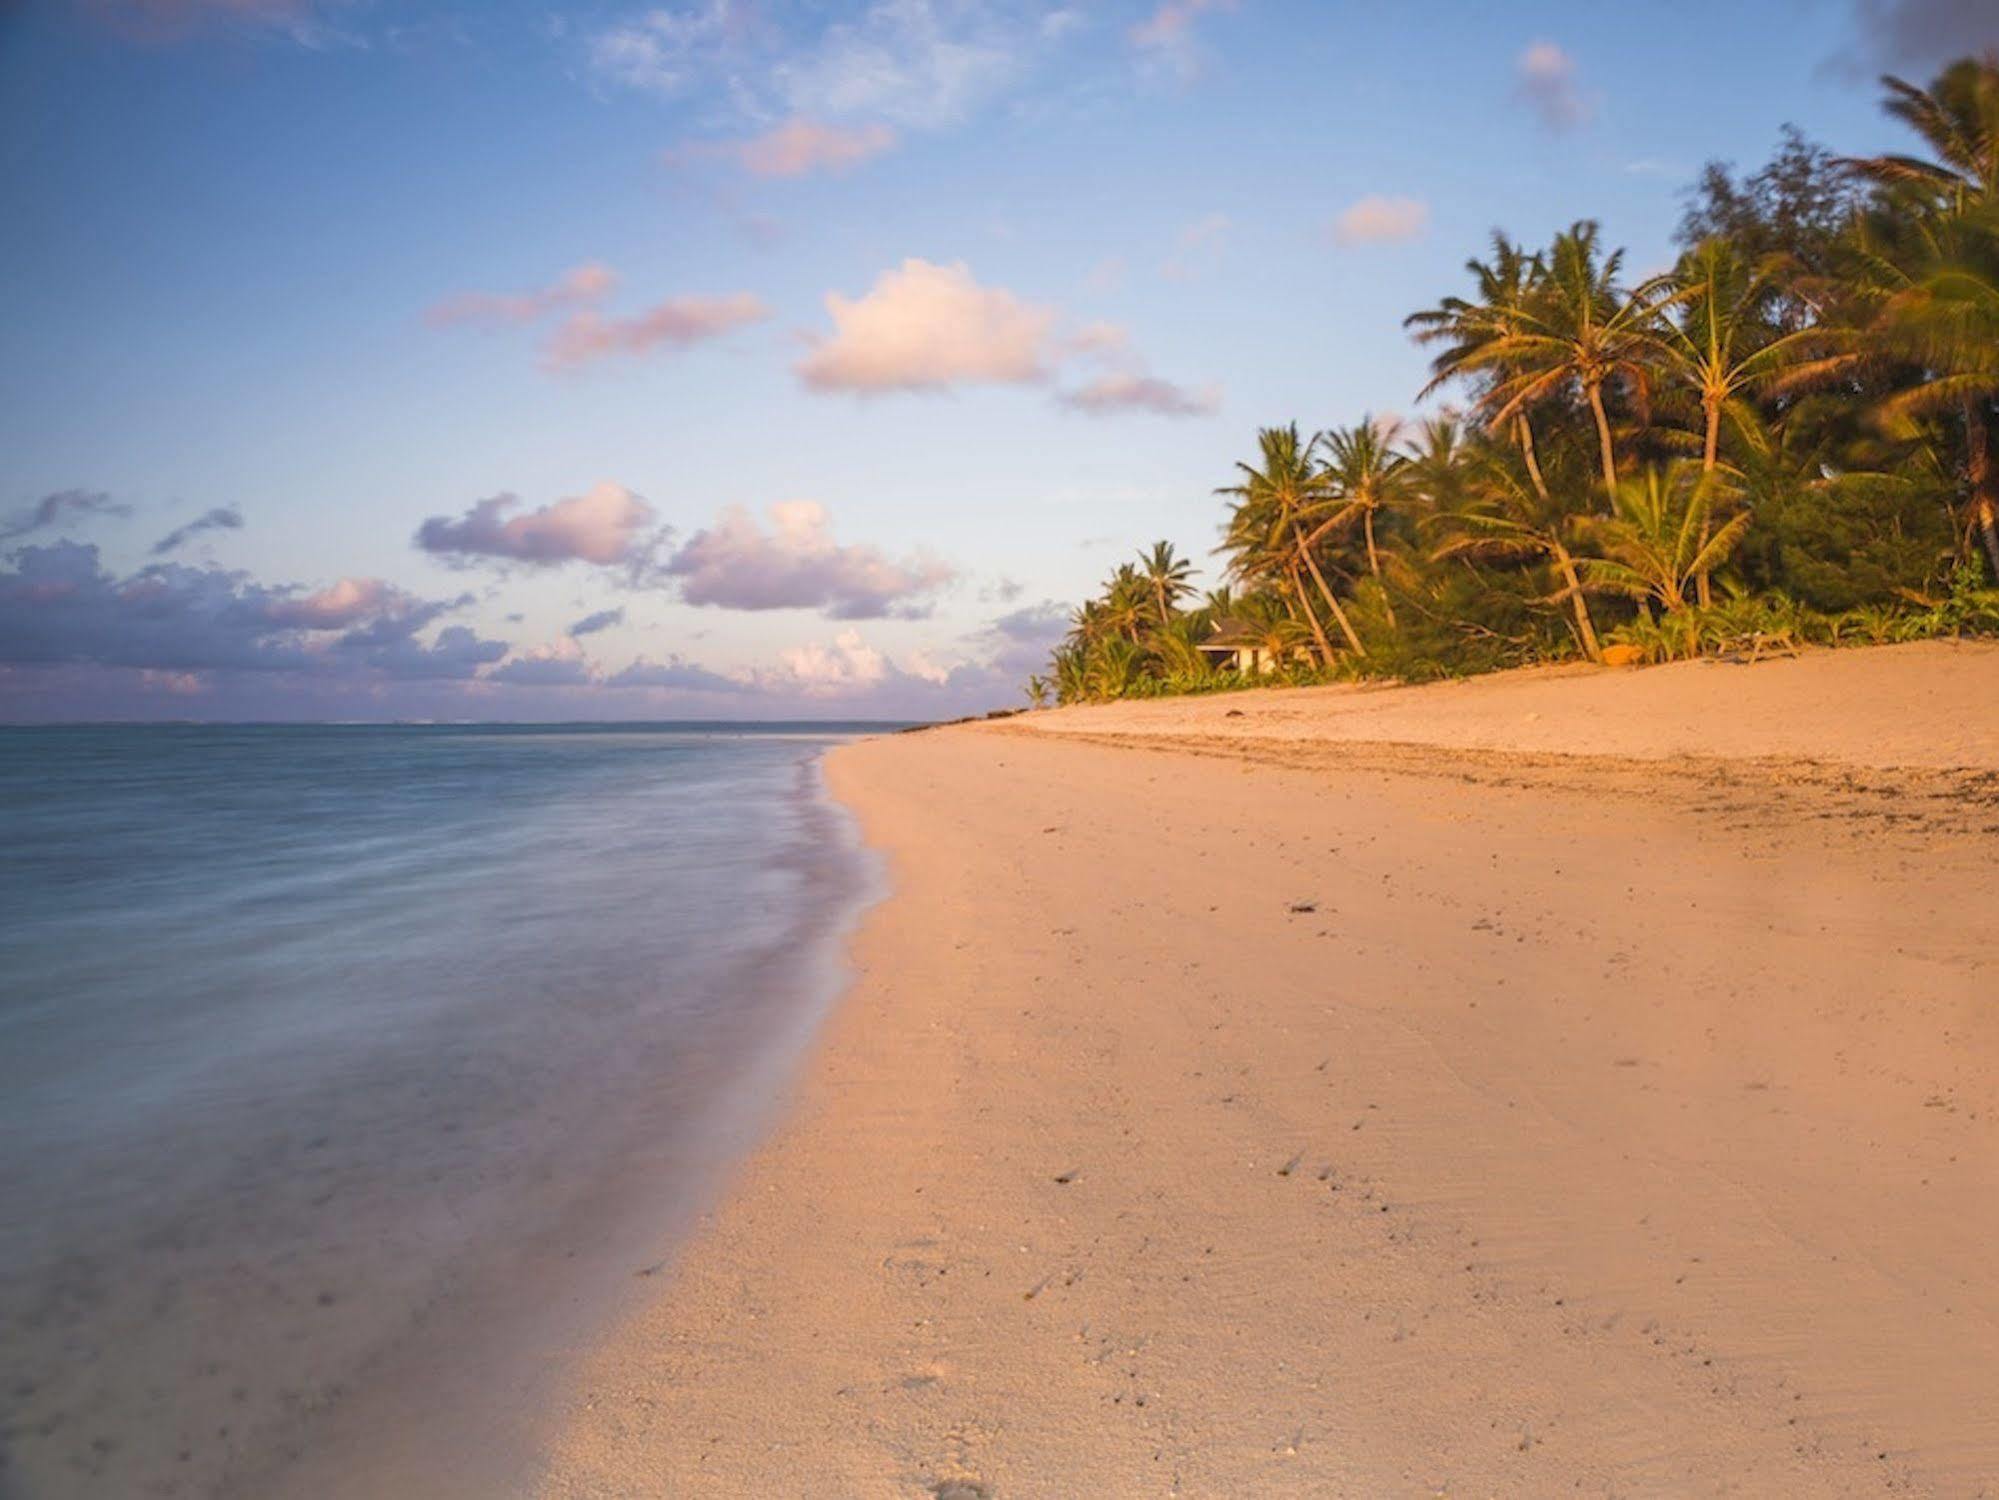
x=349, y=1074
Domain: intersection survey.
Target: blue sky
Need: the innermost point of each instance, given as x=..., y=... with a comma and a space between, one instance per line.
x=324, y=271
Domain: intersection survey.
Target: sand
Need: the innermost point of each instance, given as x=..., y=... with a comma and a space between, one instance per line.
x=1441, y=1091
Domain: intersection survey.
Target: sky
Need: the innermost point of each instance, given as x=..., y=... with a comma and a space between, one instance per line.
x=743, y=359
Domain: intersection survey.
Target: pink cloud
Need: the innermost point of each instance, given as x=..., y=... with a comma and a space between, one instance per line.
x=581, y=285
x=736, y=564
x=799, y=147
x=1376, y=220
x=675, y=323
x=338, y=605
x=607, y=524
x=1123, y=391
x=1547, y=80
x=929, y=327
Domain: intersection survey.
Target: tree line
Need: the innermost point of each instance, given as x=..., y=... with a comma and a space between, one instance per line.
x=1790, y=437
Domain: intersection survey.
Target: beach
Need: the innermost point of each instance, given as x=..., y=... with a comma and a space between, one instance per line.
x=1569, y=1080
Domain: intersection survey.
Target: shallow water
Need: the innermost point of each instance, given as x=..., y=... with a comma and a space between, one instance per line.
x=347, y=1073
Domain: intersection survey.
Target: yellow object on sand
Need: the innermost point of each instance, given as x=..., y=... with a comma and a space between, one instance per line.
x=1623, y=656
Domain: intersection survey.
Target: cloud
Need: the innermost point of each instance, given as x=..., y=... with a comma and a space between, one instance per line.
x=1915, y=35
x=560, y=664
x=58, y=604
x=928, y=327
x=920, y=64
x=735, y=564
x=1165, y=38
x=1546, y=80
x=585, y=333
x=54, y=510
x=221, y=518
x=606, y=525
x=844, y=666
x=798, y=148
x=675, y=673
x=1018, y=643
x=1377, y=220
x=580, y=285
x=676, y=323
x=603, y=619
x=1197, y=248
x=1120, y=391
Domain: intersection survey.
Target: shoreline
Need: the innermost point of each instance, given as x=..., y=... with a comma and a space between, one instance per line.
x=1254, y=1117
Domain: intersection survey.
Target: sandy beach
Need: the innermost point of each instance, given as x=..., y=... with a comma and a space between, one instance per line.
x=1569, y=1081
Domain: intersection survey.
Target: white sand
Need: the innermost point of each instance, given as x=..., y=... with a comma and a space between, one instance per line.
x=1613, y=1127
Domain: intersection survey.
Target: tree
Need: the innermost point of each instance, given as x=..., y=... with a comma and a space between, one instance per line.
x=1266, y=536
x=1478, y=334
x=1168, y=575
x=1510, y=519
x=1581, y=330
x=1664, y=536
x=1364, y=476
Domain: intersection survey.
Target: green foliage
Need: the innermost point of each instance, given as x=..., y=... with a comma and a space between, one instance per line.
x=1791, y=439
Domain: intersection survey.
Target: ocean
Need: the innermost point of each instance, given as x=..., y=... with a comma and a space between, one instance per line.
x=350, y=1076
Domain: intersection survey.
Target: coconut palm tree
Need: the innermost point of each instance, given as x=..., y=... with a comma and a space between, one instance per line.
x=1667, y=534
x=1925, y=282
x=1476, y=331
x=1266, y=537
x=1578, y=331
x=1719, y=340
x=1958, y=116
x=1510, y=519
x=1364, y=476
x=1168, y=575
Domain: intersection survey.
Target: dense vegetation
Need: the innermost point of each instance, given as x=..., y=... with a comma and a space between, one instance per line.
x=1790, y=437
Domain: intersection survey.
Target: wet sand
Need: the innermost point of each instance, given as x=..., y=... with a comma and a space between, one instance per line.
x=1238, y=1099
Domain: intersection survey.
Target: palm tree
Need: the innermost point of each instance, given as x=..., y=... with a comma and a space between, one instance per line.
x=1958, y=115
x=1168, y=575
x=1510, y=519
x=1037, y=691
x=1266, y=536
x=1722, y=342
x=1578, y=330
x=1926, y=281
x=1125, y=603
x=1663, y=538
x=1365, y=476
x=1476, y=332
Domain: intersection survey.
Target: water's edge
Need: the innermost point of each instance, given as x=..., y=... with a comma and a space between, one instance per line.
x=467, y=1404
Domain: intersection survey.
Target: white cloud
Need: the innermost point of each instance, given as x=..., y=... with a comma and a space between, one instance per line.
x=930, y=327
x=844, y=666
x=1378, y=220
x=920, y=64
x=1547, y=81
x=736, y=564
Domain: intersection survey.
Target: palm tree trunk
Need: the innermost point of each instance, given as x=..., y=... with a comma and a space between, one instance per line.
x=1710, y=456
x=1608, y=452
x=1584, y=626
x=1533, y=459
x=1305, y=605
x=1984, y=486
x=1332, y=601
x=1374, y=566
